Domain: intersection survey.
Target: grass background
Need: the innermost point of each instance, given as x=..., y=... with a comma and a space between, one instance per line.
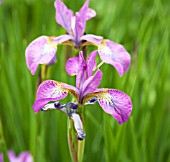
x=143, y=28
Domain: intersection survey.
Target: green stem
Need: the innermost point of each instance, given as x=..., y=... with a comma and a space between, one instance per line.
x=76, y=146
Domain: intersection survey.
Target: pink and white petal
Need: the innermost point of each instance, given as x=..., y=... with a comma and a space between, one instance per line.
x=91, y=63
x=40, y=51
x=92, y=83
x=116, y=55
x=72, y=65
x=94, y=39
x=116, y=103
x=51, y=90
x=63, y=15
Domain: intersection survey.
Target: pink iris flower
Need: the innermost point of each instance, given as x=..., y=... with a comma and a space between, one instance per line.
x=114, y=102
x=43, y=49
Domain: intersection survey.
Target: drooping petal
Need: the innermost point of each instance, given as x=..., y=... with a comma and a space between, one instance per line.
x=113, y=102
x=51, y=91
x=39, y=51
x=63, y=15
x=114, y=54
x=91, y=84
x=42, y=50
x=72, y=65
x=91, y=63
x=94, y=39
x=82, y=71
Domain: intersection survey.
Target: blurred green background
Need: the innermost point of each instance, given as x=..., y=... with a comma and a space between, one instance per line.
x=143, y=27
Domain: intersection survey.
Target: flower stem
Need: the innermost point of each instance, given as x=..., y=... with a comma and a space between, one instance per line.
x=76, y=146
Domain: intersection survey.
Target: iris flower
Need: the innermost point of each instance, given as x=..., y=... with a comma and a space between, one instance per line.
x=112, y=101
x=22, y=157
x=43, y=49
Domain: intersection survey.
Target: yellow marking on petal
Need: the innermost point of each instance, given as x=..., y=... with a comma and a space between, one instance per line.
x=102, y=94
x=61, y=88
x=87, y=43
x=68, y=43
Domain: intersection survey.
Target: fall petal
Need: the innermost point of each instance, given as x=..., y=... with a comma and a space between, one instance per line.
x=116, y=55
x=116, y=103
x=50, y=90
x=40, y=51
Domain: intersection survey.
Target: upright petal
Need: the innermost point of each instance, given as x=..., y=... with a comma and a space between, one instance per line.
x=114, y=54
x=63, y=15
x=82, y=71
x=80, y=21
x=72, y=65
x=88, y=12
x=51, y=91
x=42, y=50
x=91, y=84
x=113, y=102
x=79, y=27
x=91, y=63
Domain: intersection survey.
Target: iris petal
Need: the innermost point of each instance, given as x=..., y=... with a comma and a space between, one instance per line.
x=92, y=83
x=116, y=55
x=51, y=91
x=94, y=39
x=113, y=102
x=91, y=63
x=82, y=71
x=63, y=15
x=72, y=65
x=80, y=22
x=42, y=50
